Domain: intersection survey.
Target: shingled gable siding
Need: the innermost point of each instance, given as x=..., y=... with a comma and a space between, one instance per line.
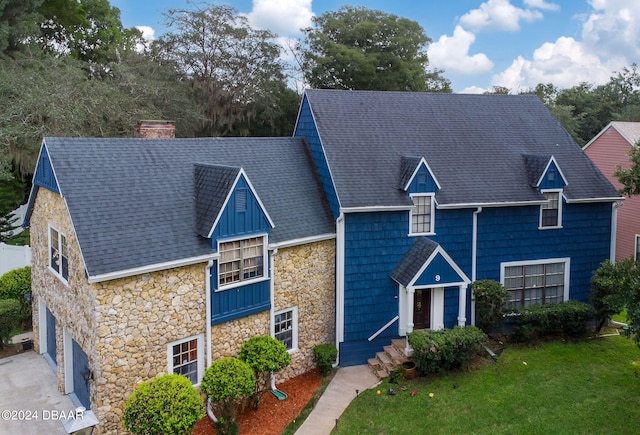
x=422, y=182
x=306, y=128
x=250, y=220
x=511, y=234
x=552, y=179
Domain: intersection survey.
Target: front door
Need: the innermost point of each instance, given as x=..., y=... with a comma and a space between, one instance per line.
x=422, y=309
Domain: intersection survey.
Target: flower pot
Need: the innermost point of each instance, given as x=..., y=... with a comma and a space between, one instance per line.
x=409, y=369
x=27, y=344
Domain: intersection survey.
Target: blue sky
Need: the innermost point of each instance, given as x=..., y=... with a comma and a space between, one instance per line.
x=479, y=44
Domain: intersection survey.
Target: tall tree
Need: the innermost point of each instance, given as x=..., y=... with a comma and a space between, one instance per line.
x=232, y=65
x=360, y=48
x=19, y=21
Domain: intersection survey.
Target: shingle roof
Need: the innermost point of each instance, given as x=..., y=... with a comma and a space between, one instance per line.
x=630, y=130
x=473, y=144
x=413, y=260
x=131, y=201
x=212, y=184
x=535, y=165
x=408, y=165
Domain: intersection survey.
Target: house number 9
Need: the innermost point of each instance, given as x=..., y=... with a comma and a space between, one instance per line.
x=437, y=278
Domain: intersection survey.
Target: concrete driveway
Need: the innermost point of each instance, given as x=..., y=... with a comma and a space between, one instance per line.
x=30, y=402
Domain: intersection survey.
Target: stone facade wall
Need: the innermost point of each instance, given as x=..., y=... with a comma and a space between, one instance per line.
x=305, y=278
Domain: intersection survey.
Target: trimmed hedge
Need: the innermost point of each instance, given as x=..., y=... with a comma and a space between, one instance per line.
x=9, y=318
x=325, y=355
x=445, y=349
x=569, y=319
x=491, y=299
x=15, y=284
x=167, y=404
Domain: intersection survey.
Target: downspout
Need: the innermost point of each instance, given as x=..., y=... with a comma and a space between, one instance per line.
x=272, y=292
x=614, y=229
x=339, y=284
x=208, y=311
x=474, y=260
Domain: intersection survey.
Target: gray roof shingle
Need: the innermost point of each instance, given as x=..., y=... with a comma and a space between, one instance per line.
x=413, y=260
x=473, y=144
x=212, y=184
x=132, y=204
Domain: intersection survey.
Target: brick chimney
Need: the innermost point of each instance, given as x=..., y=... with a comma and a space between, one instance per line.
x=152, y=129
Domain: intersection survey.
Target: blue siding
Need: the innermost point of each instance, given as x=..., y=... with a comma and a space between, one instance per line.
x=306, y=128
x=451, y=299
x=44, y=175
x=234, y=222
x=552, y=178
x=437, y=272
x=357, y=352
x=512, y=234
x=422, y=182
x=239, y=301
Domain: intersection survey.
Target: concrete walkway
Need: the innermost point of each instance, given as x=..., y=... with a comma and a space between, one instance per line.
x=30, y=402
x=340, y=392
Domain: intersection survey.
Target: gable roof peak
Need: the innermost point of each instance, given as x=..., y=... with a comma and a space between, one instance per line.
x=409, y=167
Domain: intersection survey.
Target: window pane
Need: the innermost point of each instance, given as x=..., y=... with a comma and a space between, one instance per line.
x=536, y=284
x=185, y=359
x=284, y=328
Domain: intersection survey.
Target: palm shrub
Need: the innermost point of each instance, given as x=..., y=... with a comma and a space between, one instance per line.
x=264, y=354
x=9, y=319
x=444, y=349
x=167, y=404
x=491, y=300
x=226, y=383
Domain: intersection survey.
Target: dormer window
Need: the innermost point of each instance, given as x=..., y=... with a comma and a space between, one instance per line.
x=241, y=260
x=551, y=211
x=422, y=216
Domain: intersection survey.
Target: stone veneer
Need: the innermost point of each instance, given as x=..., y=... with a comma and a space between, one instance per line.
x=125, y=325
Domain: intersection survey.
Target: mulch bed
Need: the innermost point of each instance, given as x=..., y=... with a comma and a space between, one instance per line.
x=273, y=415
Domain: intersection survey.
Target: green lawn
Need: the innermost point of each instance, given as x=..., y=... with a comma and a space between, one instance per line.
x=557, y=388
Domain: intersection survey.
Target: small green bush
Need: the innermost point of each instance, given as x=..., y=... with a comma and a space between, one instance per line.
x=227, y=382
x=569, y=319
x=15, y=284
x=9, y=319
x=445, y=349
x=264, y=354
x=167, y=404
x=491, y=299
x=325, y=355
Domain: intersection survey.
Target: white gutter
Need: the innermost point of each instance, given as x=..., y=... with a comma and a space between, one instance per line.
x=588, y=200
x=302, y=241
x=375, y=208
x=207, y=277
x=474, y=260
x=152, y=268
x=339, y=283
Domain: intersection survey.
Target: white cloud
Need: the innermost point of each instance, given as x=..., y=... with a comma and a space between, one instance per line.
x=498, y=15
x=613, y=29
x=451, y=53
x=473, y=90
x=541, y=4
x=148, y=34
x=565, y=63
x=284, y=17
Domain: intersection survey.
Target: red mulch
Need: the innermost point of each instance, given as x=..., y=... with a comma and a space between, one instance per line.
x=273, y=415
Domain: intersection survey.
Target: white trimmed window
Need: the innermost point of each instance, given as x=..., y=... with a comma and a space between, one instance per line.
x=551, y=211
x=637, y=252
x=241, y=260
x=286, y=327
x=58, y=260
x=422, y=214
x=186, y=358
x=537, y=282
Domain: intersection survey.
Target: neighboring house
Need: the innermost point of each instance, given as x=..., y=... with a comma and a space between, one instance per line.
x=160, y=255
x=433, y=191
x=609, y=149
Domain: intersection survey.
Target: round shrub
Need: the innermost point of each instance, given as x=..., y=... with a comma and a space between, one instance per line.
x=491, y=299
x=167, y=404
x=325, y=355
x=15, y=284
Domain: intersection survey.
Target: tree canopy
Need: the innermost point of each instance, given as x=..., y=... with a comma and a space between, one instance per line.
x=364, y=49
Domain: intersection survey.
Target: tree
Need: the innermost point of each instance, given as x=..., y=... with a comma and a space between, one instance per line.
x=233, y=66
x=630, y=177
x=166, y=404
x=264, y=354
x=364, y=49
x=226, y=382
x=19, y=21
x=609, y=284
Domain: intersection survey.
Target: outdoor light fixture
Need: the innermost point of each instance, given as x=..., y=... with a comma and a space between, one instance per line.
x=82, y=424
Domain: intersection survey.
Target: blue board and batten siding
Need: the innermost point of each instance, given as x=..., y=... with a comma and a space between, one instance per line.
x=44, y=177
x=241, y=218
x=306, y=128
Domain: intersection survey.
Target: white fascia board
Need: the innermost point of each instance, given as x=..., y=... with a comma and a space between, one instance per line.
x=449, y=260
x=415, y=171
x=153, y=268
x=599, y=134
x=588, y=200
x=490, y=204
x=552, y=160
x=302, y=241
x=375, y=208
